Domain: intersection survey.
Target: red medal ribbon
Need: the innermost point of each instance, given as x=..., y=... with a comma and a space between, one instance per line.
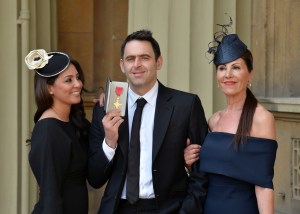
x=119, y=90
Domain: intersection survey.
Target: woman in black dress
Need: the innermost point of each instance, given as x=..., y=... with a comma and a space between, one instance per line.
x=59, y=141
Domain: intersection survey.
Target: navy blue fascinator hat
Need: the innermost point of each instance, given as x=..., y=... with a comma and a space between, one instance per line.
x=47, y=64
x=226, y=47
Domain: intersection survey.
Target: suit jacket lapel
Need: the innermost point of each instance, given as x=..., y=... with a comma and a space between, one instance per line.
x=163, y=113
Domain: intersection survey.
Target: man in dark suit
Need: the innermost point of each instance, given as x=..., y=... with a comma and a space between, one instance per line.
x=169, y=118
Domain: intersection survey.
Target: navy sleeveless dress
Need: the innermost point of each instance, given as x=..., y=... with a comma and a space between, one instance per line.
x=233, y=174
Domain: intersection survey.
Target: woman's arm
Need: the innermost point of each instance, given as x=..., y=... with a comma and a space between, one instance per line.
x=191, y=154
x=192, y=151
x=265, y=200
x=264, y=126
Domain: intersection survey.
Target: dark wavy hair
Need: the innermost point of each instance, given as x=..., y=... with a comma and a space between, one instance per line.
x=44, y=101
x=142, y=35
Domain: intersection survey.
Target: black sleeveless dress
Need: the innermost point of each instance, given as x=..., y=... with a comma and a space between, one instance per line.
x=59, y=163
x=234, y=174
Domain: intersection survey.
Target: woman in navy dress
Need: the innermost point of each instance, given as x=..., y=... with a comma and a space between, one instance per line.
x=59, y=141
x=239, y=153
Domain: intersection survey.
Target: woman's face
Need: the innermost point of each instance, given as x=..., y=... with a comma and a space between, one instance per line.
x=233, y=77
x=67, y=87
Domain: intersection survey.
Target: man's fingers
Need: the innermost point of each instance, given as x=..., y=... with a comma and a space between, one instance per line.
x=188, y=142
x=101, y=99
x=111, y=115
x=112, y=121
x=114, y=113
x=118, y=123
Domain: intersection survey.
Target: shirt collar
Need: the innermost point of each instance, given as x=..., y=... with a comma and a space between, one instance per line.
x=150, y=96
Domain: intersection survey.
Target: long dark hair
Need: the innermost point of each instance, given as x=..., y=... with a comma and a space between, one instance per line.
x=246, y=119
x=44, y=101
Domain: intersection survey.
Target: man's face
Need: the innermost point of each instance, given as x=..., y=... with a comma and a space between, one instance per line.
x=139, y=66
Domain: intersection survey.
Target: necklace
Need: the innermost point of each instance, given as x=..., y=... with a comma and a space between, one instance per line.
x=65, y=119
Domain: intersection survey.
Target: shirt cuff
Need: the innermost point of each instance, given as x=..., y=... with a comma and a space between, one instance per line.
x=108, y=151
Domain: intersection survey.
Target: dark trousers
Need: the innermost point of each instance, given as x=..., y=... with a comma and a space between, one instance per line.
x=144, y=206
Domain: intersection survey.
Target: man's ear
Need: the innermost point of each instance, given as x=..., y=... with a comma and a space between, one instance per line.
x=122, y=66
x=159, y=63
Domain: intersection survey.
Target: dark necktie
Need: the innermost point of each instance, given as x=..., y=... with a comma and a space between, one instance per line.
x=133, y=170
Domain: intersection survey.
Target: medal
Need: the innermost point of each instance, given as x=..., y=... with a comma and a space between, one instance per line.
x=118, y=91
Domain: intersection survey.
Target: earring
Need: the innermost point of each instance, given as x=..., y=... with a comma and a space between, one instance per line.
x=249, y=85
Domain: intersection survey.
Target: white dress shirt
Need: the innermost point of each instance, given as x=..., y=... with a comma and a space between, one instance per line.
x=146, y=140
